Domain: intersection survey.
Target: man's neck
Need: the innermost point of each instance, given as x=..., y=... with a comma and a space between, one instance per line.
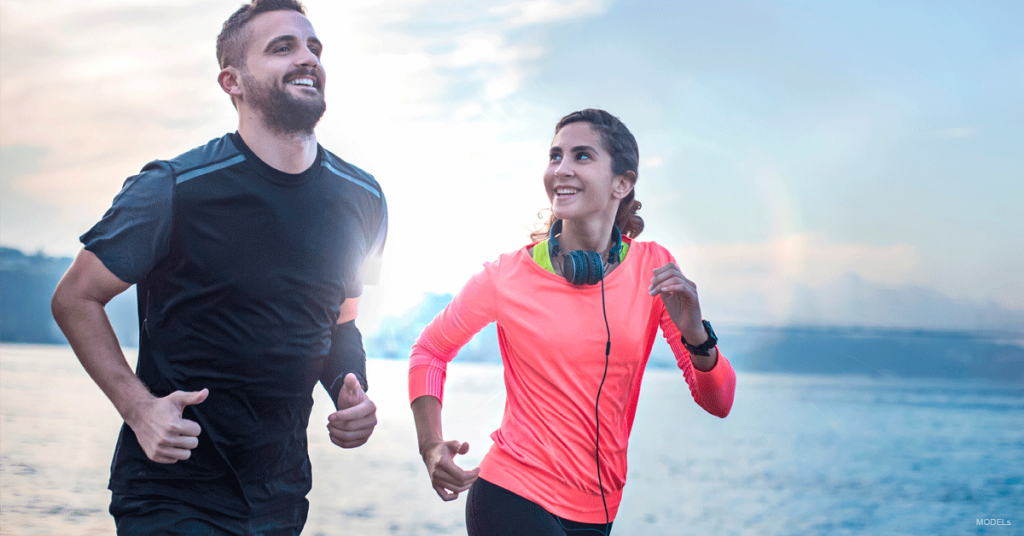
x=290, y=153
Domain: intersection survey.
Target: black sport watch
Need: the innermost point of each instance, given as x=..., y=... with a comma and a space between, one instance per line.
x=706, y=346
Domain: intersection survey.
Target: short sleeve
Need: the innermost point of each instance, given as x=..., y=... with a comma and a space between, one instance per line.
x=135, y=233
x=369, y=272
x=372, y=264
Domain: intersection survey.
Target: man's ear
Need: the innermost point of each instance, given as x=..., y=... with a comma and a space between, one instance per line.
x=230, y=81
x=624, y=184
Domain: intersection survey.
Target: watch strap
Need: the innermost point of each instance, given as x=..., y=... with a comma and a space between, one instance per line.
x=705, y=347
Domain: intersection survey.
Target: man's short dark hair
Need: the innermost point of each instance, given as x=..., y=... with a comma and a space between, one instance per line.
x=231, y=43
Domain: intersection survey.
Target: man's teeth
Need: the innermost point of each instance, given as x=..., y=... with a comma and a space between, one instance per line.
x=565, y=191
x=302, y=82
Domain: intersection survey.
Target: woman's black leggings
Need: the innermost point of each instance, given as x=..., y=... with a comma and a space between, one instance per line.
x=492, y=510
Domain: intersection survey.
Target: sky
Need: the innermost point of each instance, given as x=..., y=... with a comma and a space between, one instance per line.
x=788, y=148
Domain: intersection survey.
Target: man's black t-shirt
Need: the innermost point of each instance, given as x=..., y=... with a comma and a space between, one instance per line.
x=241, y=270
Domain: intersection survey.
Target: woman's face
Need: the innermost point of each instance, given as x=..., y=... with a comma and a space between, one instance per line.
x=579, y=179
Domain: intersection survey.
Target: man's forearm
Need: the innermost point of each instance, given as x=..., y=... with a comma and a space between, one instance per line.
x=346, y=355
x=85, y=324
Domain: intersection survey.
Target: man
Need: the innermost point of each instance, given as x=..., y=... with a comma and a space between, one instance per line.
x=248, y=254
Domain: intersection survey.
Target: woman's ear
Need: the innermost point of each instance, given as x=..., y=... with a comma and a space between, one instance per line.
x=623, y=184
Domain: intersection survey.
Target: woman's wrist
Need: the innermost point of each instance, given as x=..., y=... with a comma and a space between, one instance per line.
x=708, y=341
x=693, y=331
x=705, y=363
x=691, y=324
x=696, y=336
x=427, y=446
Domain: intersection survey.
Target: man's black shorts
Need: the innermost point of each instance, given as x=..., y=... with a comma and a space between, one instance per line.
x=160, y=516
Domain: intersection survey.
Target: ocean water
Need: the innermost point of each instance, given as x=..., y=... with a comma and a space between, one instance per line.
x=804, y=455
x=799, y=455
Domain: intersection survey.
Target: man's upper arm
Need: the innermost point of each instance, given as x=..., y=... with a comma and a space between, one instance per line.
x=349, y=310
x=88, y=278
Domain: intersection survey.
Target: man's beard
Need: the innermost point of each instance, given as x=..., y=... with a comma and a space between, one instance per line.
x=282, y=112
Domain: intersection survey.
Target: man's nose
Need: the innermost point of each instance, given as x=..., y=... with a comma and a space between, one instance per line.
x=308, y=59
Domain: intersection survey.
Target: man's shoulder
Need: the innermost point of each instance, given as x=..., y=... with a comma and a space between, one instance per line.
x=216, y=154
x=352, y=173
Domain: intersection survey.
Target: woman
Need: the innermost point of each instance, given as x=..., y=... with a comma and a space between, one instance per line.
x=577, y=315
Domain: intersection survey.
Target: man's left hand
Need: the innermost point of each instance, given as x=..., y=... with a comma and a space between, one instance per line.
x=356, y=417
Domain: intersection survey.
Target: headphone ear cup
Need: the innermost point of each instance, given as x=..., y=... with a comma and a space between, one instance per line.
x=595, y=267
x=575, y=268
x=568, y=267
x=582, y=267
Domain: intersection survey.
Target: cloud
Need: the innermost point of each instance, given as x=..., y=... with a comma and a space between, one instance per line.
x=451, y=103
x=486, y=49
x=548, y=11
x=116, y=84
x=651, y=162
x=491, y=62
x=763, y=279
x=807, y=279
x=20, y=160
x=808, y=258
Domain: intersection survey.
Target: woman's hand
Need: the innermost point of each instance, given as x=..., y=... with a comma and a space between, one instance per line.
x=680, y=297
x=447, y=478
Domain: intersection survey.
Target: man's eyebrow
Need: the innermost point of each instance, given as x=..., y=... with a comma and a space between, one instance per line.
x=281, y=39
x=584, y=149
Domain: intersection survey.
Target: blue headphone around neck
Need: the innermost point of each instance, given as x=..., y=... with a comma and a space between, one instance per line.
x=583, y=267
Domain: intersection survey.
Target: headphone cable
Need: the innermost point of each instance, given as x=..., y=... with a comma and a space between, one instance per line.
x=597, y=415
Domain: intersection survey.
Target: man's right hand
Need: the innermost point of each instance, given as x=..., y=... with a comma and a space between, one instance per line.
x=448, y=478
x=164, y=435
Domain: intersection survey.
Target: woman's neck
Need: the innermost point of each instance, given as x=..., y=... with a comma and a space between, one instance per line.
x=586, y=235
